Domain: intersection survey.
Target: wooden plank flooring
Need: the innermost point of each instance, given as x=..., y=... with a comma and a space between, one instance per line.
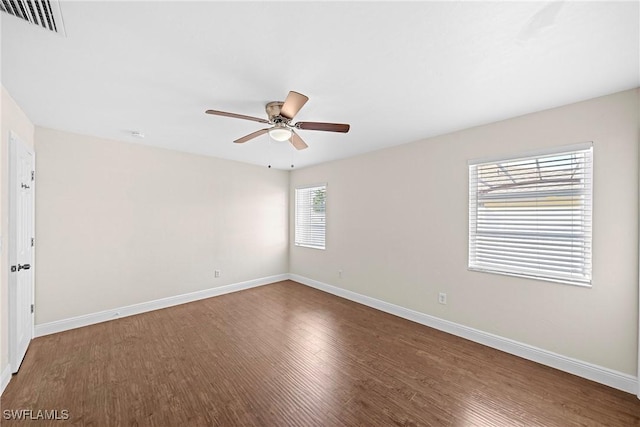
x=285, y=354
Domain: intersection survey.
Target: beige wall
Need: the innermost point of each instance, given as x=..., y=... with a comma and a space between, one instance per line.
x=12, y=119
x=119, y=223
x=397, y=227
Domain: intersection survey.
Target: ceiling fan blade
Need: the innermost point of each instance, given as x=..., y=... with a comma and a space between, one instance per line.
x=251, y=136
x=329, y=127
x=293, y=104
x=297, y=142
x=237, y=116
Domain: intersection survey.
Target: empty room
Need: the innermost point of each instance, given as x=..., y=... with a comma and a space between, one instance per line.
x=319, y=213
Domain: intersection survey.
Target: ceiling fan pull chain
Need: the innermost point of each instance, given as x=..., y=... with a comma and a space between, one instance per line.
x=291, y=157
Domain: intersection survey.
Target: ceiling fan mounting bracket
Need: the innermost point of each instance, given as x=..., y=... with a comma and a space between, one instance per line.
x=273, y=111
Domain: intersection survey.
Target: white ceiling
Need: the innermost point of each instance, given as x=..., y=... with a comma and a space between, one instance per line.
x=397, y=72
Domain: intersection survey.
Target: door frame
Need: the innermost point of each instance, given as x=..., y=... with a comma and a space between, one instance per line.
x=14, y=140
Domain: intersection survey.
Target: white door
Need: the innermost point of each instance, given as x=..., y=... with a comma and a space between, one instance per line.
x=21, y=215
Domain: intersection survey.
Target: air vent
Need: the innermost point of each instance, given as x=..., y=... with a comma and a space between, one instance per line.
x=43, y=13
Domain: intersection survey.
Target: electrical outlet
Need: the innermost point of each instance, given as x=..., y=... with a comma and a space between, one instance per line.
x=216, y=273
x=442, y=298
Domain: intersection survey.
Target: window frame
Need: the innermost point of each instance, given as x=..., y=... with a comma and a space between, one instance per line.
x=298, y=241
x=586, y=214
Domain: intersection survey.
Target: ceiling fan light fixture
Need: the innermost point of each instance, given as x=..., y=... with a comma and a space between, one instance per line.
x=280, y=134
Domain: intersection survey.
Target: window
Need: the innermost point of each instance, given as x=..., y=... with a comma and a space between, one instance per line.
x=531, y=216
x=310, y=225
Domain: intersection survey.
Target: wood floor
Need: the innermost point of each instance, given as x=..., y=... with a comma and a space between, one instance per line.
x=288, y=355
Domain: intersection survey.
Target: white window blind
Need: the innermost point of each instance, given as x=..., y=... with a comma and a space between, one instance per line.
x=310, y=227
x=531, y=216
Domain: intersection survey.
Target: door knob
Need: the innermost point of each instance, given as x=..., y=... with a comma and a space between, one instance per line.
x=24, y=266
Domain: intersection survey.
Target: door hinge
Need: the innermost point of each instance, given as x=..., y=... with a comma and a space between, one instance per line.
x=33, y=241
x=31, y=308
x=33, y=175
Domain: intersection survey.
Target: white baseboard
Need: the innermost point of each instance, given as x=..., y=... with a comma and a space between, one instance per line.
x=130, y=310
x=609, y=377
x=5, y=377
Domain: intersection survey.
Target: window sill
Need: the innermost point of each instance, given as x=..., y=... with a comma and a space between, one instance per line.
x=528, y=276
x=299, y=245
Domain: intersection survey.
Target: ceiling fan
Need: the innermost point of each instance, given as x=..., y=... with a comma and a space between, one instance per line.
x=280, y=116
